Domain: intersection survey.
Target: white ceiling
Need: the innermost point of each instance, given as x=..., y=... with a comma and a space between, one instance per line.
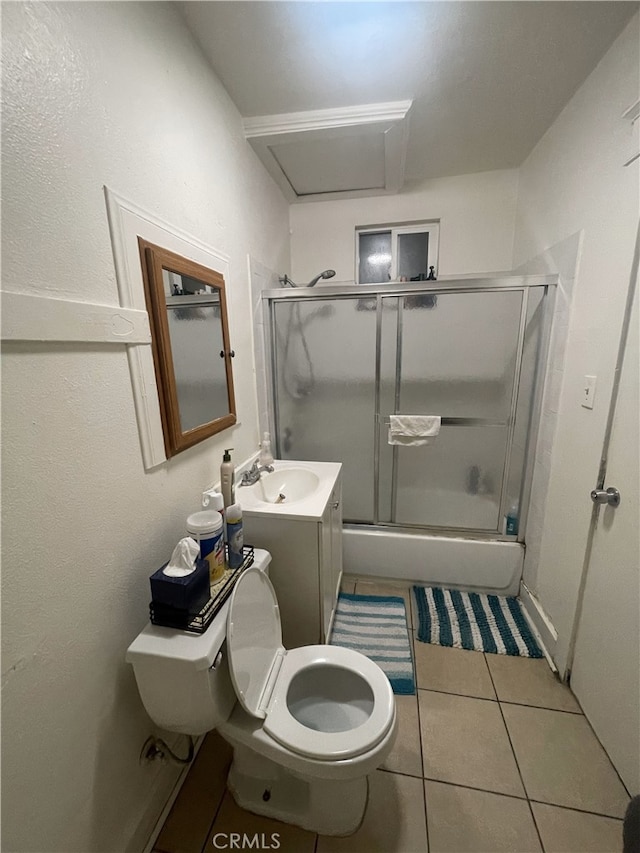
x=486, y=78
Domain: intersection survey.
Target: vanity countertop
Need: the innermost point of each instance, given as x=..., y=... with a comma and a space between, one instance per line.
x=307, y=508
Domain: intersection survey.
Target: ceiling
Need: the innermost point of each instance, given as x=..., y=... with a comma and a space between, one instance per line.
x=486, y=78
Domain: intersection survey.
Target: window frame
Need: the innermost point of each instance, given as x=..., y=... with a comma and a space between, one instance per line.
x=431, y=227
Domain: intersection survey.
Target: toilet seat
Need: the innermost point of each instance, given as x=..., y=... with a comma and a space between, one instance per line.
x=353, y=703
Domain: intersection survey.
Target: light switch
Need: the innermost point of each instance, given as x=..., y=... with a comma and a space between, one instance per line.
x=588, y=391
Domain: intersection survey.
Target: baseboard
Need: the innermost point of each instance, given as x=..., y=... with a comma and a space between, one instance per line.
x=540, y=623
x=164, y=814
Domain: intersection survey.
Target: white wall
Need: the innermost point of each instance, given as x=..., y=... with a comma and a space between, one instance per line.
x=574, y=181
x=476, y=214
x=116, y=94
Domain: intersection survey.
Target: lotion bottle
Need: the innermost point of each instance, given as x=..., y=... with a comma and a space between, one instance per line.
x=228, y=479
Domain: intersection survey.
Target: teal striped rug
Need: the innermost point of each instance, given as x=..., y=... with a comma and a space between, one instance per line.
x=468, y=620
x=377, y=626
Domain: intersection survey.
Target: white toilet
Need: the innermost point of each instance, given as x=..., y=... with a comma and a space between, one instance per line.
x=306, y=725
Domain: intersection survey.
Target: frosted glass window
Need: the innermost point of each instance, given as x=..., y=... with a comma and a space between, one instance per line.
x=375, y=257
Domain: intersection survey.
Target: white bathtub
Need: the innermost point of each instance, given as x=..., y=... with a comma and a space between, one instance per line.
x=478, y=565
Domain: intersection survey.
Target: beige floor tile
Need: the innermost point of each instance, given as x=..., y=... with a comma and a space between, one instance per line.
x=464, y=741
x=367, y=588
x=567, y=831
x=394, y=821
x=562, y=762
x=231, y=818
x=464, y=821
x=189, y=821
x=452, y=670
x=348, y=586
x=405, y=756
x=530, y=681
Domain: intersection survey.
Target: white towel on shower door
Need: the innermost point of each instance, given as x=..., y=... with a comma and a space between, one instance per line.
x=413, y=430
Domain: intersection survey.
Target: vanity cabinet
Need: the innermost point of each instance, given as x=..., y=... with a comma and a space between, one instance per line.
x=306, y=567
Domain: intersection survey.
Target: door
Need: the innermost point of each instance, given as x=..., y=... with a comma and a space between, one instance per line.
x=605, y=675
x=456, y=355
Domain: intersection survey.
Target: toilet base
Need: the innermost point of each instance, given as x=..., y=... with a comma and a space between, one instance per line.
x=328, y=807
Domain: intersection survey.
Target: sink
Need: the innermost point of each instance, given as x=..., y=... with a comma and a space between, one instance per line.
x=286, y=485
x=294, y=489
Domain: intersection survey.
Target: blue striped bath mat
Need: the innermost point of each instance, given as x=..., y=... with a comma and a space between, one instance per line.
x=467, y=620
x=377, y=626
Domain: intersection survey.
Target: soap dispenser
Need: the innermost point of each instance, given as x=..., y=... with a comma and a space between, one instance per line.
x=266, y=456
x=228, y=479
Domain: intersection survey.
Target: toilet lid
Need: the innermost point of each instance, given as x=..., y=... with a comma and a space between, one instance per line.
x=254, y=638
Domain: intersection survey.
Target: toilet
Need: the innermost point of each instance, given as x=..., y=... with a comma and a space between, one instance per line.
x=307, y=725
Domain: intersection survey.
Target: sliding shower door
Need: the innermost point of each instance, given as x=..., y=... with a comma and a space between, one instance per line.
x=454, y=355
x=324, y=372
x=344, y=362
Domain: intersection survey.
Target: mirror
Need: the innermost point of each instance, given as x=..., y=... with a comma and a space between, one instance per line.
x=191, y=350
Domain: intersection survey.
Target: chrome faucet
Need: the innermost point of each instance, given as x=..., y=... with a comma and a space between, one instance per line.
x=253, y=474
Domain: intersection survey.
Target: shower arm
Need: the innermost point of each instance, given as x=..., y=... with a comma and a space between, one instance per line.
x=285, y=280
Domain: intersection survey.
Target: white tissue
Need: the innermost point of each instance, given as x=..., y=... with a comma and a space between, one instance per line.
x=182, y=562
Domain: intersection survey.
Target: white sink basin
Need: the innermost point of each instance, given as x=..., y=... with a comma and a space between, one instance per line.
x=287, y=485
x=294, y=489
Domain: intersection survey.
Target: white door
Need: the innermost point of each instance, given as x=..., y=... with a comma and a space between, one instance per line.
x=606, y=668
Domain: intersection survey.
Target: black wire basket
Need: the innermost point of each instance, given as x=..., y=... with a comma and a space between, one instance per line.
x=197, y=623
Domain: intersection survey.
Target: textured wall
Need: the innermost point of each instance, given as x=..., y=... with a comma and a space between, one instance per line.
x=476, y=214
x=574, y=182
x=116, y=94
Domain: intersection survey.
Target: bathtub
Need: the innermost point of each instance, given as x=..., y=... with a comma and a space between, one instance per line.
x=477, y=565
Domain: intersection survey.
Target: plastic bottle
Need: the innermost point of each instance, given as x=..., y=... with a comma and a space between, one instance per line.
x=228, y=479
x=206, y=529
x=212, y=499
x=235, y=536
x=266, y=456
x=511, y=527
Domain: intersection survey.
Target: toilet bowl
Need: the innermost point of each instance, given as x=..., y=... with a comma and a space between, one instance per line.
x=306, y=725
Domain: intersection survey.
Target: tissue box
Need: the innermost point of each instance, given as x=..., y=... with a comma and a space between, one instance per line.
x=189, y=593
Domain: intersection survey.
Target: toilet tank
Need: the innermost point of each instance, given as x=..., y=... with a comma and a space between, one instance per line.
x=183, y=678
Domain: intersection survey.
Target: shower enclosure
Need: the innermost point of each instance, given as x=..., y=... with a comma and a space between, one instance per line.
x=344, y=358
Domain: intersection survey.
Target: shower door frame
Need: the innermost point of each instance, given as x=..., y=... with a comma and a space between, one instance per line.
x=472, y=284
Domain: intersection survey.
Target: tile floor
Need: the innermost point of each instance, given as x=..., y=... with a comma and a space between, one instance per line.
x=493, y=754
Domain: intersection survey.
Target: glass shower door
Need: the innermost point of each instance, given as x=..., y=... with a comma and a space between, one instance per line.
x=324, y=370
x=454, y=355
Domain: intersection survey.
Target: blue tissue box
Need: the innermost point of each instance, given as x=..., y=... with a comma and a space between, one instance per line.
x=189, y=593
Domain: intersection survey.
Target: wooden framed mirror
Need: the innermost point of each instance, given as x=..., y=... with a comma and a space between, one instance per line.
x=191, y=349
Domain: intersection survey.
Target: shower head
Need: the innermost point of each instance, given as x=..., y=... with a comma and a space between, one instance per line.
x=286, y=281
x=324, y=274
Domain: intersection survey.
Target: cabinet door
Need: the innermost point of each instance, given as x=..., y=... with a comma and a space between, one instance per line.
x=336, y=539
x=294, y=573
x=331, y=557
